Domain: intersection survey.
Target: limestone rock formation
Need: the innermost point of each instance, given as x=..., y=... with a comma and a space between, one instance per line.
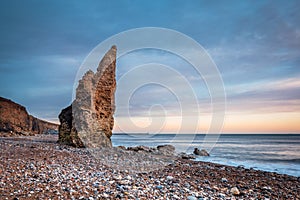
x=15, y=120
x=88, y=121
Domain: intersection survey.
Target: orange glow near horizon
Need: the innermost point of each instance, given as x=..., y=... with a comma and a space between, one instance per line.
x=286, y=122
x=263, y=123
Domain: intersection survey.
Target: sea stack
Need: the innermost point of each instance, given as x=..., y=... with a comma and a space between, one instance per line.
x=88, y=121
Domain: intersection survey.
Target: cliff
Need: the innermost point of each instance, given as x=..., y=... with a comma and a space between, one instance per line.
x=15, y=120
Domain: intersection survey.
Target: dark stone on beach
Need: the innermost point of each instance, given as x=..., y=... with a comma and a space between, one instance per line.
x=186, y=156
x=241, y=167
x=167, y=149
x=88, y=121
x=224, y=180
x=139, y=148
x=201, y=152
x=159, y=187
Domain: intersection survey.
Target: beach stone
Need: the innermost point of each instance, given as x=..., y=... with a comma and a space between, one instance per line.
x=224, y=180
x=186, y=156
x=88, y=121
x=139, y=148
x=32, y=166
x=267, y=188
x=159, y=187
x=201, y=152
x=235, y=191
x=221, y=195
x=191, y=198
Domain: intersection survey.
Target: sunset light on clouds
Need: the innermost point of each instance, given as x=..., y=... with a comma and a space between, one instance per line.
x=255, y=45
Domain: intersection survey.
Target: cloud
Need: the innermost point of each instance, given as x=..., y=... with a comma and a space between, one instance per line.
x=254, y=44
x=272, y=97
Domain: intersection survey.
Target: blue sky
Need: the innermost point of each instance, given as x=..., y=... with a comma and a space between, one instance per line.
x=255, y=44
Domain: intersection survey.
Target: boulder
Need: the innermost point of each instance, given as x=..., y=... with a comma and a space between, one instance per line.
x=167, y=149
x=186, y=156
x=88, y=121
x=140, y=148
x=201, y=152
x=15, y=120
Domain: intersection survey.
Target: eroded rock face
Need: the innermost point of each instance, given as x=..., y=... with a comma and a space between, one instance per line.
x=89, y=121
x=67, y=132
x=15, y=120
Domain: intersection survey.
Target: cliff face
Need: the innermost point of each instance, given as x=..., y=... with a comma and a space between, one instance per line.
x=14, y=119
x=89, y=121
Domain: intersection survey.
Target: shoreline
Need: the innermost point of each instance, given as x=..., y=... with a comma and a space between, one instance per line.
x=273, y=153
x=38, y=167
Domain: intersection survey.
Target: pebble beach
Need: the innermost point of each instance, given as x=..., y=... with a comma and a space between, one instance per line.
x=36, y=167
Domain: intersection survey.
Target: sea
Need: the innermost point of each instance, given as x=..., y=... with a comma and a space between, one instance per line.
x=268, y=152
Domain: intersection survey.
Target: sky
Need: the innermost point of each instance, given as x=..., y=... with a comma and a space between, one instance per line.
x=255, y=45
